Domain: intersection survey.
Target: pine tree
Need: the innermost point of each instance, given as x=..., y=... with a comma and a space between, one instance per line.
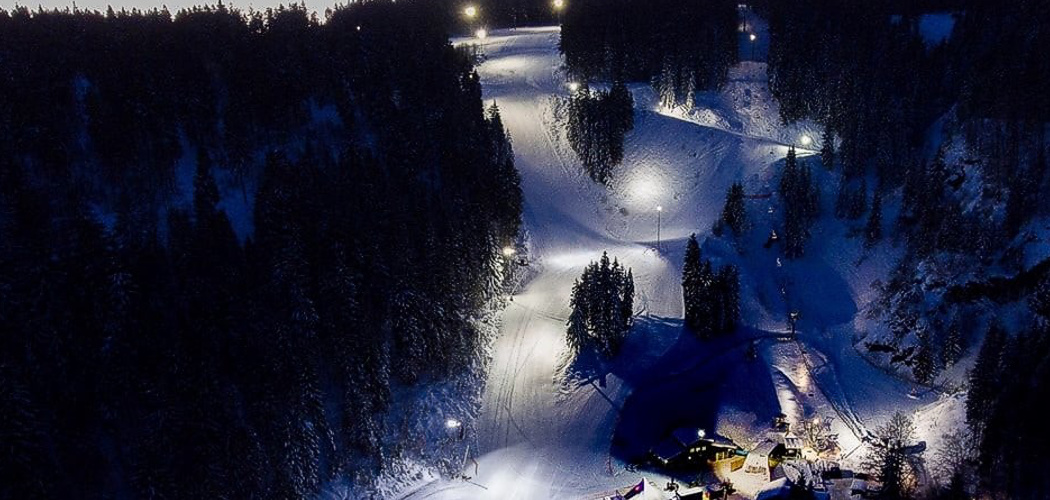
x=577, y=334
x=665, y=87
x=984, y=379
x=621, y=105
x=627, y=306
x=507, y=197
x=801, y=204
x=729, y=290
x=924, y=366
x=1039, y=300
x=734, y=214
x=952, y=350
x=602, y=302
x=873, y=229
x=888, y=459
x=827, y=148
x=692, y=282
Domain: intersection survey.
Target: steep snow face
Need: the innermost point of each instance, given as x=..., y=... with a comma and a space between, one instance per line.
x=539, y=436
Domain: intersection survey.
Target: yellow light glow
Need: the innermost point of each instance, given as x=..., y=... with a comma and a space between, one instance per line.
x=471, y=11
x=559, y=4
x=481, y=34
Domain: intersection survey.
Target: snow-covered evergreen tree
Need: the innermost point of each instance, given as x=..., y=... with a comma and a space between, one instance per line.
x=827, y=148
x=801, y=204
x=602, y=308
x=734, y=213
x=873, y=228
x=984, y=379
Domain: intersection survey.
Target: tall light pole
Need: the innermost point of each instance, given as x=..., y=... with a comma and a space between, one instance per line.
x=470, y=12
x=559, y=6
x=793, y=318
x=659, y=213
x=752, y=37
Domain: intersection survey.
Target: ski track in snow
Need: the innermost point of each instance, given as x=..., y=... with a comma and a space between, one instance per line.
x=537, y=438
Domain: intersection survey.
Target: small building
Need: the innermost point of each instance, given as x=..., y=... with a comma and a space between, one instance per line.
x=790, y=444
x=759, y=460
x=690, y=447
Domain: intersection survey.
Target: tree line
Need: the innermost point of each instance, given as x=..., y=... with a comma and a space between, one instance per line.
x=597, y=123
x=884, y=94
x=682, y=47
x=1009, y=382
x=153, y=349
x=712, y=297
x=602, y=305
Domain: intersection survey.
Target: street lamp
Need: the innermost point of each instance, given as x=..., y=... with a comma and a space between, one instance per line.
x=481, y=33
x=559, y=5
x=453, y=425
x=806, y=140
x=659, y=213
x=752, y=37
x=793, y=318
x=573, y=87
x=509, y=251
x=470, y=11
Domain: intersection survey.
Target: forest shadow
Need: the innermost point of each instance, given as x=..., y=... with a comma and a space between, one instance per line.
x=689, y=384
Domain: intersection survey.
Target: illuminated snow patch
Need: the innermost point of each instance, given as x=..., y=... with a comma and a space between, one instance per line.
x=569, y=260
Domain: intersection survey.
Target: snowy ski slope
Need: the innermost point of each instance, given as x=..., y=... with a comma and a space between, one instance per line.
x=538, y=437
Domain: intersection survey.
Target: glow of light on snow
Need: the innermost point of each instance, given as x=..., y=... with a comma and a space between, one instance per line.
x=570, y=260
x=517, y=484
x=645, y=189
x=802, y=378
x=548, y=346
x=573, y=86
x=506, y=65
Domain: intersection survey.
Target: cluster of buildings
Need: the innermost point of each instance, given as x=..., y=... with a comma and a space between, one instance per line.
x=766, y=471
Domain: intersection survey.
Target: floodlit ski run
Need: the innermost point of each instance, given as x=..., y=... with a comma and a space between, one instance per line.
x=539, y=438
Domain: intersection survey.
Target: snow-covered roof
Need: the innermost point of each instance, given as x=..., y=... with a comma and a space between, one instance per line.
x=721, y=441
x=793, y=442
x=765, y=448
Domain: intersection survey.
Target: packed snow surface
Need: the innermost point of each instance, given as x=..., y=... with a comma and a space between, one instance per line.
x=541, y=435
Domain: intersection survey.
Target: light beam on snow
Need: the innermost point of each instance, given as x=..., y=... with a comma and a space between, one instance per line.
x=569, y=260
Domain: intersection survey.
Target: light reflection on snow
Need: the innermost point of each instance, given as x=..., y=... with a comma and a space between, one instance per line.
x=507, y=64
x=569, y=260
x=644, y=188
